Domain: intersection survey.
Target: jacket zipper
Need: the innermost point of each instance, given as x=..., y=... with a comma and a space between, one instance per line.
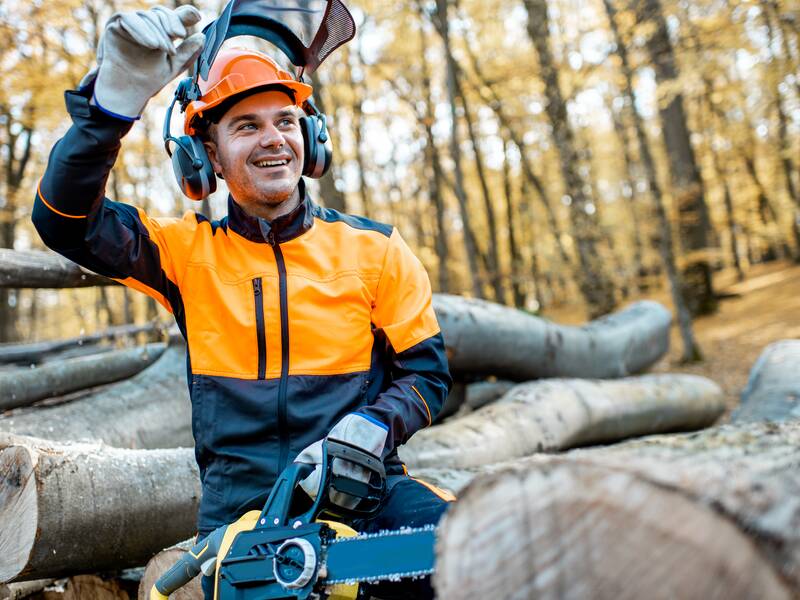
x=283, y=431
x=261, y=333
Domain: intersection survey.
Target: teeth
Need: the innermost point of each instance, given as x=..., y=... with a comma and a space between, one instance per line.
x=271, y=163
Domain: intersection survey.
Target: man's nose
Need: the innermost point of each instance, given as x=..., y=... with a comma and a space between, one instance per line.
x=271, y=137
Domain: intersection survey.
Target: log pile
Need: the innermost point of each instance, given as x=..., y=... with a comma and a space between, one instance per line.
x=69, y=508
x=712, y=514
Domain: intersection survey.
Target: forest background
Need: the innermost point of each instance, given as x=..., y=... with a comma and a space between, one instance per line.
x=557, y=156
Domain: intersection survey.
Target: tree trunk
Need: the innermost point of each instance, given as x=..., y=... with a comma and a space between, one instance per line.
x=630, y=192
x=149, y=410
x=22, y=387
x=515, y=257
x=483, y=338
x=38, y=269
x=495, y=102
x=492, y=253
x=434, y=161
x=471, y=248
x=773, y=387
x=694, y=225
x=711, y=126
x=691, y=349
x=712, y=514
x=330, y=195
x=784, y=146
x=74, y=508
x=36, y=352
x=558, y=414
x=593, y=280
x=160, y=564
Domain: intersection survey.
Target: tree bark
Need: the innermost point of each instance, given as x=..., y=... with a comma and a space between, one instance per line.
x=558, y=414
x=39, y=269
x=515, y=257
x=485, y=392
x=594, y=282
x=471, y=249
x=773, y=388
x=149, y=410
x=694, y=225
x=160, y=563
x=433, y=160
x=36, y=352
x=712, y=514
x=492, y=253
x=74, y=508
x=483, y=338
x=691, y=349
x=22, y=387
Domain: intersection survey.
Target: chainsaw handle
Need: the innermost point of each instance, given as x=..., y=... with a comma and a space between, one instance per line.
x=188, y=566
x=276, y=509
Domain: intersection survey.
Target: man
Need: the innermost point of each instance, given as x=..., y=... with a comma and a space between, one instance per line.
x=301, y=322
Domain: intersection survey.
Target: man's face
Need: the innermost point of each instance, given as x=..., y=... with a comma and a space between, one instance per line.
x=258, y=148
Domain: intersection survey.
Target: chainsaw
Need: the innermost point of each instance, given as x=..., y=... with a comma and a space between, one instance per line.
x=273, y=555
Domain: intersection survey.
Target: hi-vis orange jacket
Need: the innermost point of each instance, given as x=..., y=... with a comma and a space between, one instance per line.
x=290, y=324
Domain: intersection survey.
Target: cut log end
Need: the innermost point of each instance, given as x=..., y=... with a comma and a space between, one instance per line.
x=524, y=534
x=18, y=505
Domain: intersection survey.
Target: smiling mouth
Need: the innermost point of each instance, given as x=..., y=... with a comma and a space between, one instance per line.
x=271, y=163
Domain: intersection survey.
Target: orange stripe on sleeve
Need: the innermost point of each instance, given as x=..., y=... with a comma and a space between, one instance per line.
x=427, y=408
x=51, y=207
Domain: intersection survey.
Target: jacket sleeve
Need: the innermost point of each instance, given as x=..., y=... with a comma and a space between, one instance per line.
x=420, y=374
x=74, y=218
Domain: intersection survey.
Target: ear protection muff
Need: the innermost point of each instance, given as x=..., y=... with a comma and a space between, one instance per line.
x=317, y=150
x=190, y=163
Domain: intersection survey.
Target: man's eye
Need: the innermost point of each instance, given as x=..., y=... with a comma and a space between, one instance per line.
x=285, y=123
x=247, y=125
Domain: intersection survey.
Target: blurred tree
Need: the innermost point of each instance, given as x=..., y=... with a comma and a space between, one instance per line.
x=593, y=280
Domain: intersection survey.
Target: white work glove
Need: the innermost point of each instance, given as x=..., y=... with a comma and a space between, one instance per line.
x=354, y=429
x=136, y=57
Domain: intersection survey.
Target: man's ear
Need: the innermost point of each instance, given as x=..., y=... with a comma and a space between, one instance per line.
x=211, y=150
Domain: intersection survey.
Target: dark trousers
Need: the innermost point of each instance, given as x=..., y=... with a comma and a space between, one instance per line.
x=408, y=504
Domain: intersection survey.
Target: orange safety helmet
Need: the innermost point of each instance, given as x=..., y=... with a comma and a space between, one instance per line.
x=236, y=70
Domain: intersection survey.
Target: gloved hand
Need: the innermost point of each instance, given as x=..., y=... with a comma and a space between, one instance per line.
x=355, y=429
x=136, y=56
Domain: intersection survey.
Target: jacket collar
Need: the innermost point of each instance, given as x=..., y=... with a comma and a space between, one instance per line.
x=279, y=230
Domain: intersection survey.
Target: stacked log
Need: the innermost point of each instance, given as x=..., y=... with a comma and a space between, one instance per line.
x=713, y=514
x=39, y=269
x=149, y=410
x=772, y=392
x=557, y=414
x=36, y=352
x=484, y=338
x=72, y=508
x=22, y=387
x=160, y=564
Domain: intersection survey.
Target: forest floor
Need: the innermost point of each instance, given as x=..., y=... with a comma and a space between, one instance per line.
x=762, y=309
